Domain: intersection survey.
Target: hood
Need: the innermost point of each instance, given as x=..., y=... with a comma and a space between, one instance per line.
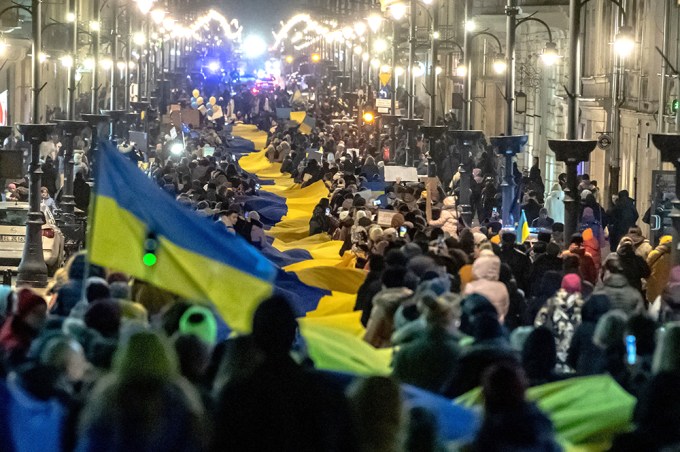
x=487, y=266
x=616, y=280
x=391, y=298
x=449, y=201
x=596, y=306
x=588, y=215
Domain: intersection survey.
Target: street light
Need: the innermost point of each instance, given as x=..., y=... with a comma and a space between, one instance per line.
x=624, y=44
x=470, y=26
x=145, y=6
x=374, y=22
x=157, y=15
x=499, y=65
x=549, y=54
x=67, y=61
x=398, y=11
x=359, y=28
x=138, y=38
x=380, y=45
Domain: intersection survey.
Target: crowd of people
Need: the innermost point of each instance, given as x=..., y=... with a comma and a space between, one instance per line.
x=108, y=363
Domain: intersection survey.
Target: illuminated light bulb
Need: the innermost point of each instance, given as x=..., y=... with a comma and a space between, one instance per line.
x=470, y=26
x=398, y=11
x=121, y=65
x=399, y=71
x=385, y=68
x=94, y=25
x=66, y=61
x=374, y=22
x=380, y=45
x=461, y=71
x=360, y=28
x=499, y=66
x=138, y=38
x=157, y=15
x=375, y=63
x=106, y=63
x=438, y=70
x=70, y=17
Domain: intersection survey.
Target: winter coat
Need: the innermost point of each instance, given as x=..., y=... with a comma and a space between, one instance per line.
x=583, y=354
x=486, y=271
x=522, y=427
x=428, y=361
x=380, y=324
x=555, y=204
x=562, y=315
x=35, y=424
x=586, y=263
x=448, y=218
x=635, y=268
x=519, y=263
x=659, y=262
x=621, y=294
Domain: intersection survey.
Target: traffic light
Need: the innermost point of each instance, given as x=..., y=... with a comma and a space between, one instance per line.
x=150, y=248
x=368, y=117
x=675, y=106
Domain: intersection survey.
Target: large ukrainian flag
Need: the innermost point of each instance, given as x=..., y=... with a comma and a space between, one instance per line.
x=196, y=258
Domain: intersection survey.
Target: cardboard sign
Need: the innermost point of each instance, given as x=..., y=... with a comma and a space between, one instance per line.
x=313, y=154
x=405, y=173
x=385, y=217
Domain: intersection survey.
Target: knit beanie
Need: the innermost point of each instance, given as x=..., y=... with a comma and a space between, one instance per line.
x=199, y=321
x=104, y=316
x=571, y=283
x=27, y=300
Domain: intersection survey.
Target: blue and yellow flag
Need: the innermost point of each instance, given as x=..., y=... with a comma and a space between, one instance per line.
x=522, y=229
x=194, y=257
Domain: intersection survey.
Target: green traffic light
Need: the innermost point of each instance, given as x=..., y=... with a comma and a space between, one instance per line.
x=149, y=259
x=675, y=105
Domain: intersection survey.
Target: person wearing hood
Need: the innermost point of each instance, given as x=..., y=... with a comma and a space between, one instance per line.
x=320, y=221
x=539, y=357
x=659, y=262
x=531, y=207
x=622, y=216
x=562, y=315
x=380, y=325
x=122, y=410
x=448, y=217
x=620, y=293
x=545, y=262
x=429, y=361
x=22, y=327
x=609, y=336
x=486, y=271
x=587, y=267
x=641, y=243
x=511, y=423
x=583, y=354
x=555, y=204
x=633, y=266
x=593, y=236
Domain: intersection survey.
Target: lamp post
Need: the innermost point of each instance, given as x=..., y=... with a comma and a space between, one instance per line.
x=465, y=140
x=69, y=129
x=571, y=152
x=511, y=10
x=32, y=270
x=467, y=55
x=508, y=146
x=433, y=64
x=410, y=125
x=623, y=44
x=669, y=149
x=94, y=88
x=97, y=123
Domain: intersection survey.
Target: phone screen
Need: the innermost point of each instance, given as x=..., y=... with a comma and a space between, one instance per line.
x=402, y=231
x=328, y=211
x=631, y=349
x=376, y=202
x=257, y=186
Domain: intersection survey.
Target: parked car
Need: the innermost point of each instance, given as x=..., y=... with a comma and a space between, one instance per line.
x=13, y=216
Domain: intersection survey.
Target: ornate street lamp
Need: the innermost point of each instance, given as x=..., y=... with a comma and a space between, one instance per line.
x=509, y=146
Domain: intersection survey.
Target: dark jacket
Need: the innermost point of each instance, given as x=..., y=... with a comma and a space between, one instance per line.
x=635, y=267
x=523, y=428
x=519, y=263
x=583, y=355
x=429, y=361
x=531, y=210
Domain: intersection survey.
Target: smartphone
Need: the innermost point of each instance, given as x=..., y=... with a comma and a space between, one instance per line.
x=233, y=157
x=257, y=186
x=376, y=202
x=631, y=349
x=495, y=210
x=402, y=231
x=246, y=215
x=328, y=211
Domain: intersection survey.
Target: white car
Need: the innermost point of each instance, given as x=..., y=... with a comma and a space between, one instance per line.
x=13, y=216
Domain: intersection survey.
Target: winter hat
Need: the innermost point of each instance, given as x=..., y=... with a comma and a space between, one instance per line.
x=588, y=215
x=104, y=316
x=360, y=214
x=397, y=220
x=343, y=215
x=254, y=216
x=146, y=355
x=571, y=283
x=449, y=201
x=419, y=265
x=487, y=266
x=375, y=233
x=390, y=234
x=27, y=300
x=120, y=290
x=96, y=288
x=411, y=250
x=199, y=321
x=585, y=193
